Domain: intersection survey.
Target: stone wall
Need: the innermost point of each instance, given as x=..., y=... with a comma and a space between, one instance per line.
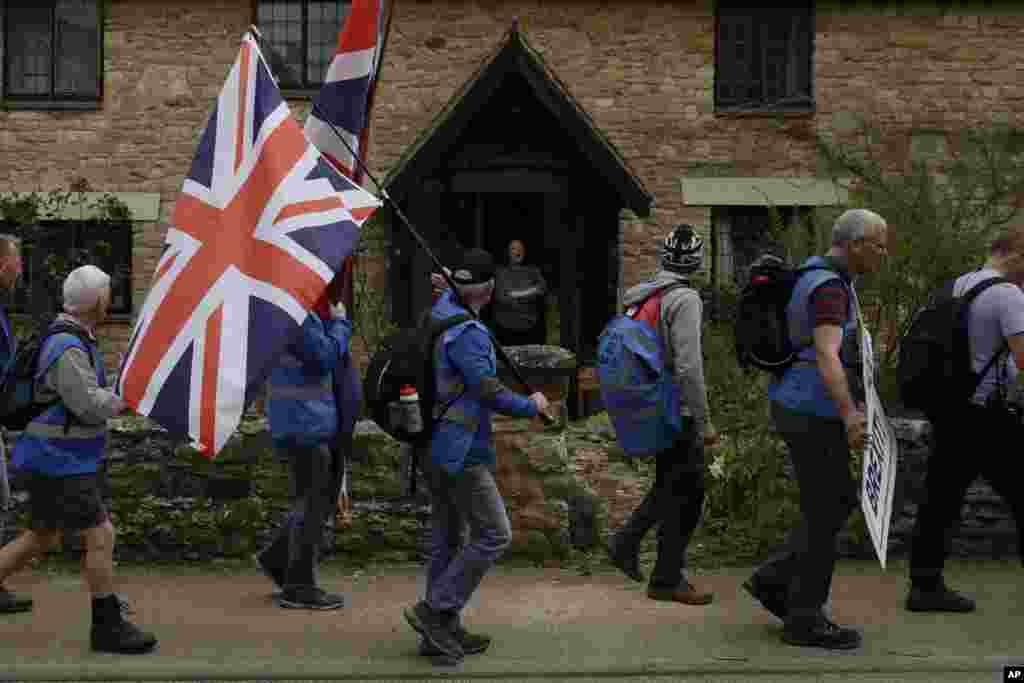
x=644, y=71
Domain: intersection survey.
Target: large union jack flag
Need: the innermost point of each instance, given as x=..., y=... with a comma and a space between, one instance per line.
x=345, y=99
x=262, y=224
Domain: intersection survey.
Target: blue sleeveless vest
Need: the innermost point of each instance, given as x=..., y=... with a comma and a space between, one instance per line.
x=50, y=445
x=802, y=389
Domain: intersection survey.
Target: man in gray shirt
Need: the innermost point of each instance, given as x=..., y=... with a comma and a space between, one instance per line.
x=995, y=325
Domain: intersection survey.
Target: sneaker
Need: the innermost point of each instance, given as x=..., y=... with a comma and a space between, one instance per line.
x=821, y=632
x=627, y=561
x=772, y=599
x=940, y=599
x=309, y=597
x=435, y=628
x=684, y=593
x=471, y=643
x=276, y=576
x=12, y=603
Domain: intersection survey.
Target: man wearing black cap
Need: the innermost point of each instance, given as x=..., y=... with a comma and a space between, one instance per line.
x=460, y=468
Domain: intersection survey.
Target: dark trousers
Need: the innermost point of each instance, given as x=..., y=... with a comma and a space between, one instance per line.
x=803, y=569
x=956, y=461
x=674, y=503
x=315, y=478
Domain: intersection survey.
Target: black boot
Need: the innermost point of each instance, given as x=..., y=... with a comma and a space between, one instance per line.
x=112, y=633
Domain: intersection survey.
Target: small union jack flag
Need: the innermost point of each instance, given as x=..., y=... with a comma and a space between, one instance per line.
x=262, y=224
x=344, y=100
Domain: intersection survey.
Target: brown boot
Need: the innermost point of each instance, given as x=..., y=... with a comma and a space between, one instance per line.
x=685, y=593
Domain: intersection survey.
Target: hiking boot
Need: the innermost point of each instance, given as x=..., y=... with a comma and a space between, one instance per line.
x=111, y=632
x=12, y=603
x=939, y=599
x=471, y=643
x=309, y=597
x=436, y=629
x=276, y=576
x=820, y=632
x=625, y=559
x=772, y=599
x=685, y=593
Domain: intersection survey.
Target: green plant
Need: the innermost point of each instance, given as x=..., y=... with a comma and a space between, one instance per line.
x=371, y=319
x=37, y=218
x=942, y=215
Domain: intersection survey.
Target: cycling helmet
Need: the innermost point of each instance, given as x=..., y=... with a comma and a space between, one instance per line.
x=683, y=249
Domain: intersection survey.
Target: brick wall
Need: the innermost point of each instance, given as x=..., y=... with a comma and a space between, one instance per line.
x=644, y=71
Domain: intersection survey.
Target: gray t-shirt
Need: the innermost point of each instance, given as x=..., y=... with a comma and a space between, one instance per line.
x=993, y=317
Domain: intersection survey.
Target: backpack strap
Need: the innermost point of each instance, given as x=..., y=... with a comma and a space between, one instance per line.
x=436, y=328
x=966, y=300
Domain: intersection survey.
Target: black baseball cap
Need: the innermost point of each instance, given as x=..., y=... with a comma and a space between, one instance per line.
x=476, y=267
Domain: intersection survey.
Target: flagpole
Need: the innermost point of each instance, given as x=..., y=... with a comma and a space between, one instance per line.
x=499, y=351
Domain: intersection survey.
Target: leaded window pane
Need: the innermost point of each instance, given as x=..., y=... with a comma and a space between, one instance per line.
x=303, y=35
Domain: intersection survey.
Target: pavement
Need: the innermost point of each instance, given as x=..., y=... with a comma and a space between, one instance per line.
x=547, y=624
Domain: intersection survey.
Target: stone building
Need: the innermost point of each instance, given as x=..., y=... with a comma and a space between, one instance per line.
x=587, y=131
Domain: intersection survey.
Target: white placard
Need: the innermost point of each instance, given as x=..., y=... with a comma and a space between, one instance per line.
x=881, y=456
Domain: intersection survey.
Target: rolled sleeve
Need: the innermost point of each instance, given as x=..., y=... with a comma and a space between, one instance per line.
x=73, y=378
x=473, y=355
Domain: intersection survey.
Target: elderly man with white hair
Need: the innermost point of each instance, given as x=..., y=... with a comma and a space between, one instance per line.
x=60, y=451
x=817, y=407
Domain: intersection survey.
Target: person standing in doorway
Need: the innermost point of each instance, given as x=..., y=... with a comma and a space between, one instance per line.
x=518, y=306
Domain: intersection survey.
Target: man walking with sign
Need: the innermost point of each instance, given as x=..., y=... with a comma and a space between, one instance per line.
x=814, y=409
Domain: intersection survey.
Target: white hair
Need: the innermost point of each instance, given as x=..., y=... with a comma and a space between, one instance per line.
x=82, y=289
x=853, y=224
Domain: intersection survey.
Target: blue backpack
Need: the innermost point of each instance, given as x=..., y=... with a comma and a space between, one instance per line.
x=637, y=388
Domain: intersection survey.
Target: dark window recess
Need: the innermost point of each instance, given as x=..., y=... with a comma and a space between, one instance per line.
x=51, y=50
x=763, y=58
x=303, y=35
x=61, y=246
x=751, y=234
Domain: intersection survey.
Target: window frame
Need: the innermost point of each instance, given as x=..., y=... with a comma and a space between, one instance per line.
x=21, y=300
x=306, y=90
x=52, y=100
x=763, y=108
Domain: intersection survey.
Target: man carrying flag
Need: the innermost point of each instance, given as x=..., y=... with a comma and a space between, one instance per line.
x=262, y=225
x=339, y=127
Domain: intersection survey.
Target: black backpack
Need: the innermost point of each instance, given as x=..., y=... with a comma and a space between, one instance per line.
x=406, y=358
x=762, y=330
x=18, y=405
x=934, y=364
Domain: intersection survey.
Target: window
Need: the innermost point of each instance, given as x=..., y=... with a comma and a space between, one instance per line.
x=763, y=58
x=303, y=35
x=51, y=52
x=64, y=245
x=742, y=233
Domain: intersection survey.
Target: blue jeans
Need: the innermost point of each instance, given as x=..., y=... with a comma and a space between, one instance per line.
x=468, y=498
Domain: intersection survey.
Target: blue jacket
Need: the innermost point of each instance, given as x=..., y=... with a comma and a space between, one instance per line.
x=300, y=390
x=465, y=369
x=8, y=344
x=802, y=388
x=50, y=444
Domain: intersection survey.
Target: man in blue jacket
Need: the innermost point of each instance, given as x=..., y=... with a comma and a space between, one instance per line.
x=461, y=463
x=10, y=271
x=59, y=454
x=303, y=414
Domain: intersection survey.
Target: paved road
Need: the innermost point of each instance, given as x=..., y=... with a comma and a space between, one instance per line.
x=548, y=624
